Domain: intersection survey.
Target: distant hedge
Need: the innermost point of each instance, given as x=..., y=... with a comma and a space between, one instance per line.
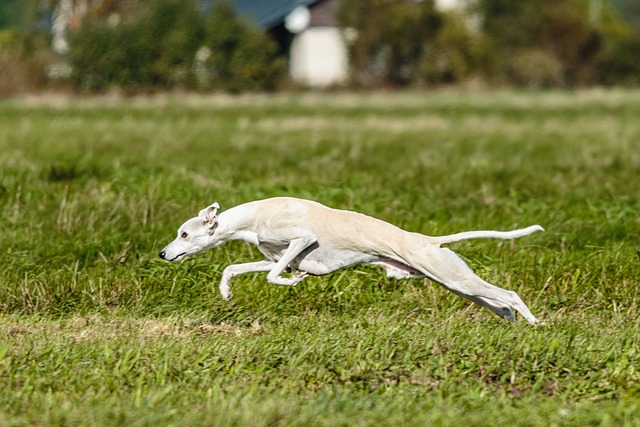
x=172, y=44
x=533, y=43
x=147, y=45
x=24, y=59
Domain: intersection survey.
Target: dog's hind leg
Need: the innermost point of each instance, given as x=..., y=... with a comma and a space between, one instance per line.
x=236, y=269
x=499, y=308
x=446, y=268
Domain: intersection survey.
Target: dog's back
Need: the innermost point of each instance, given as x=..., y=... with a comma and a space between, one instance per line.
x=340, y=229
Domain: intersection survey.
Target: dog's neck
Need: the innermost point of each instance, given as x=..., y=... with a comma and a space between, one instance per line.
x=237, y=223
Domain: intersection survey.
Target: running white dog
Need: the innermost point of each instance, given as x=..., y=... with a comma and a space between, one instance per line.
x=313, y=239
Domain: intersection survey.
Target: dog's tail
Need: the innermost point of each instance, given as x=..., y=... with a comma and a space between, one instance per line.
x=440, y=240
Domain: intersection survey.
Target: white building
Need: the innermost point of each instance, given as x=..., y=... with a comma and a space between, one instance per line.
x=308, y=34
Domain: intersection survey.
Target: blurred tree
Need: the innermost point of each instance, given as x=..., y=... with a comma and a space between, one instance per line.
x=520, y=33
x=239, y=56
x=551, y=42
x=153, y=46
x=171, y=44
x=99, y=9
x=629, y=10
x=157, y=44
x=22, y=15
x=390, y=37
x=620, y=61
x=11, y=13
x=454, y=54
x=24, y=46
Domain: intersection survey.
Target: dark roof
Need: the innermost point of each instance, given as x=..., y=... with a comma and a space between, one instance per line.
x=268, y=13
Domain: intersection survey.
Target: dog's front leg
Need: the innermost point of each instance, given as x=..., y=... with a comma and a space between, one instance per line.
x=296, y=246
x=236, y=269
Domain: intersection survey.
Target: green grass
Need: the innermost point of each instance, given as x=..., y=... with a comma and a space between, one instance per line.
x=96, y=330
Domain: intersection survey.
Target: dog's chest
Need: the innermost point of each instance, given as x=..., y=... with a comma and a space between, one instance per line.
x=272, y=252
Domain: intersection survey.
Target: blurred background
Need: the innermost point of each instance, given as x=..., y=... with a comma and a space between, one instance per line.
x=142, y=46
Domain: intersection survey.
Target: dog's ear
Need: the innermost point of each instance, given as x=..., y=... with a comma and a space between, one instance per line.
x=210, y=215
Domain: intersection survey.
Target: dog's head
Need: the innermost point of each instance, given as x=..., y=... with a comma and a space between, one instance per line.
x=195, y=235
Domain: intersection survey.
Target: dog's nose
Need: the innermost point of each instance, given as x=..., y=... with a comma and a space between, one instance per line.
x=163, y=254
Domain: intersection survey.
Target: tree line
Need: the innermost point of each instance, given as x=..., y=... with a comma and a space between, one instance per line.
x=143, y=45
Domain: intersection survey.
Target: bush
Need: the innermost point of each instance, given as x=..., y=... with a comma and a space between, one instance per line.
x=238, y=57
x=621, y=63
x=454, y=54
x=171, y=44
x=153, y=48
x=574, y=42
x=541, y=43
x=24, y=59
x=534, y=69
x=390, y=39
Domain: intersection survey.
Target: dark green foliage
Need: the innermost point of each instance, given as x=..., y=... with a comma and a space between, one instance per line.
x=241, y=57
x=161, y=46
x=620, y=64
x=542, y=43
x=11, y=13
x=24, y=58
x=153, y=48
x=149, y=45
x=390, y=38
x=534, y=44
x=454, y=54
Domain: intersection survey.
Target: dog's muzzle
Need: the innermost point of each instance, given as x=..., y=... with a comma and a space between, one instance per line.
x=163, y=255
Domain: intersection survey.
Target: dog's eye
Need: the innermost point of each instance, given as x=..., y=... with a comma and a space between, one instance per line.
x=184, y=234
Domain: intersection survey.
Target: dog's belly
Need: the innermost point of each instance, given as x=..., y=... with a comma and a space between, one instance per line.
x=318, y=262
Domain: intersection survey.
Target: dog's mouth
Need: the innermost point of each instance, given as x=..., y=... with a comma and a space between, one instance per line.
x=163, y=255
x=177, y=257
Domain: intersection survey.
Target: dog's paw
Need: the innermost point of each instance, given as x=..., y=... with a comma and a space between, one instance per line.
x=299, y=275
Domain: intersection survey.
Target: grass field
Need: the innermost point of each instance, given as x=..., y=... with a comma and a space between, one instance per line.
x=96, y=330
